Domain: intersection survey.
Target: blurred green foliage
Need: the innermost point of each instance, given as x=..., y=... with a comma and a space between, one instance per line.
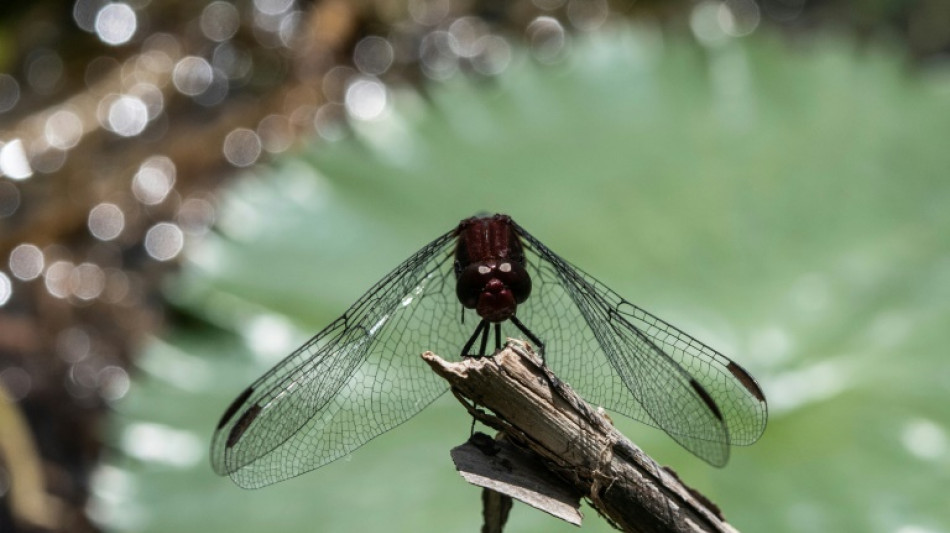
x=788, y=206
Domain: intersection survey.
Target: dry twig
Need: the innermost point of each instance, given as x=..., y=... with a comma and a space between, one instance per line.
x=576, y=442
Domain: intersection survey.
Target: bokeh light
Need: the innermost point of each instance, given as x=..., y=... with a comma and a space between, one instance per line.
x=706, y=23
x=276, y=133
x=436, y=55
x=587, y=15
x=165, y=48
x=73, y=344
x=164, y=241
x=373, y=55
x=494, y=55
x=160, y=53
x=87, y=281
x=63, y=129
x=58, y=278
x=46, y=159
x=128, y=116
x=82, y=379
x=273, y=7
x=220, y=21
x=429, y=12
x=739, y=17
x=151, y=96
x=113, y=383
x=546, y=38
x=192, y=75
x=85, y=13
x=216, y=91
x=6, y=289
x=465, y=32
x=9, y=92
x=115, y=23
x=287, y=29
x=335, y=81
x=154, y=180
x=162, y=444
x=366, y=98
x=329, y=122
x=118, y=286
x=14, y=162
x=925, y=439
x=16, y=383
x=235, y=62
x=242, y=147
x=196, y=216
x=26, y=261
x=269, y=335
x=106, y=221
x=9, y=198
x=44, y=70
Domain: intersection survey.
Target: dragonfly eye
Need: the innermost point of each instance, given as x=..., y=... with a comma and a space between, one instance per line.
x=471, y=282
x=516, y=278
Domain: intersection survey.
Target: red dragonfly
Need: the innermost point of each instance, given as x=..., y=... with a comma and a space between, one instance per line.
x=486, y=278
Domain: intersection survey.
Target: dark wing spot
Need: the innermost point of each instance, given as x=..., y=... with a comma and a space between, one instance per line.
x=747, y=381
x=234, y=406
x=242, y=424
x=706, y=398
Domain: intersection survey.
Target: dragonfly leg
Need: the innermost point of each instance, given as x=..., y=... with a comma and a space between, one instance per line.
x=497, y=336
x=552, y=380
x=468, y=345
x=531, y=336
x=481, y=350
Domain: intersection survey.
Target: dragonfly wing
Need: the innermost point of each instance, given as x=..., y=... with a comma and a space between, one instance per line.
x=346, y=385
x=602, y=345
x=734, y=390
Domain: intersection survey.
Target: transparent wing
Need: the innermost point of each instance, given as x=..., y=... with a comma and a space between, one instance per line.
x=358, y=378
x=627, y=360
x=733, y=389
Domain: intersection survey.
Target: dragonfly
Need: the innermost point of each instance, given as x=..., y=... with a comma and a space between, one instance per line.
x=485, y=279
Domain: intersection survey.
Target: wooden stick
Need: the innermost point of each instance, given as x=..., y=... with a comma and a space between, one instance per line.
x=495, y=510
x=541, y=414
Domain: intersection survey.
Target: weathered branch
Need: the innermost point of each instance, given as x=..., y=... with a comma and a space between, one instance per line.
x=539, y=413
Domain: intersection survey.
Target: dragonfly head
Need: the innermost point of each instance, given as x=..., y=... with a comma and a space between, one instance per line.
x=493, y=288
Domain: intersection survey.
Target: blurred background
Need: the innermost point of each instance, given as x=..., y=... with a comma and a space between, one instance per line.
x=189, y=190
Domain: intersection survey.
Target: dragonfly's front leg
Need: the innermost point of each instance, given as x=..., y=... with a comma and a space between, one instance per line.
x=481, y=329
